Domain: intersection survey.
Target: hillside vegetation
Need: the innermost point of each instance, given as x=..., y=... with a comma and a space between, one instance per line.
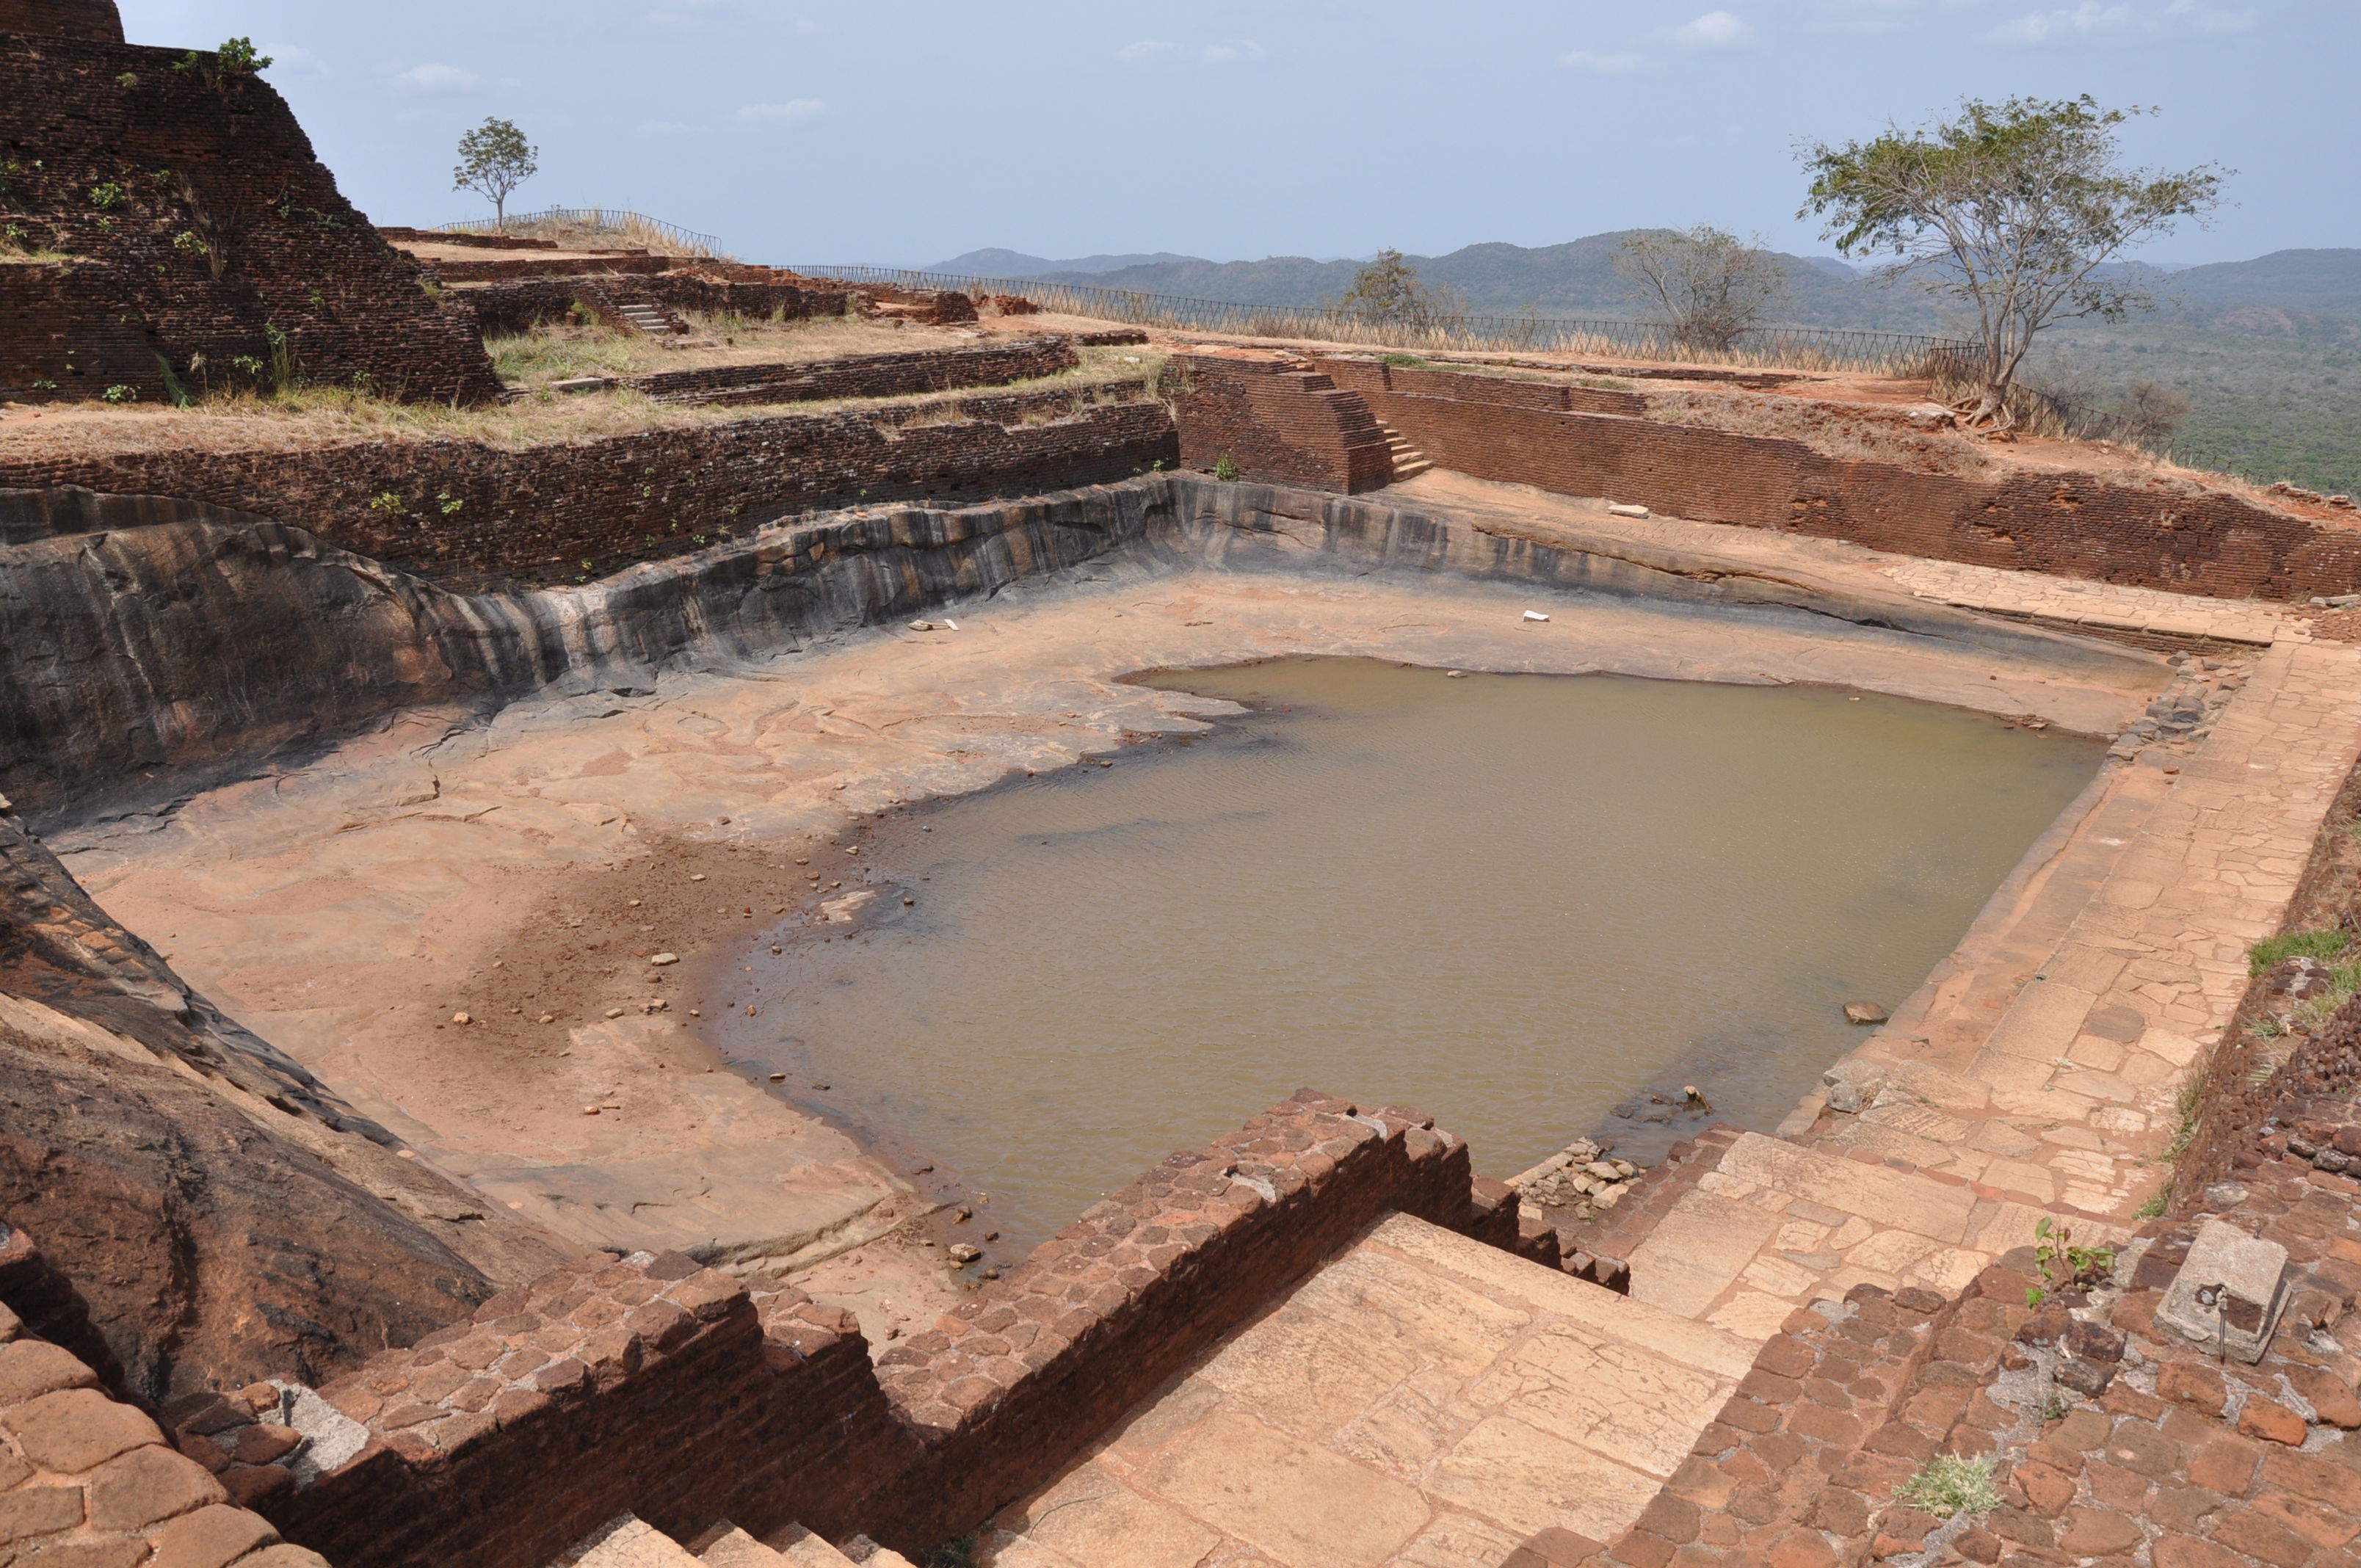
x=2268, y=352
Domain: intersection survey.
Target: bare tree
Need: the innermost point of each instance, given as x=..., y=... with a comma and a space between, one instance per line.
x=1711, y=288
x=2014, y=208
x=494, y=159
x=1390, y=292
x=2150, y=416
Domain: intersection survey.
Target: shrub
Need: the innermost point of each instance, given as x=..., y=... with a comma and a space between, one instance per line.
x=1224, y=468
x=119, y=393
x=108, y=197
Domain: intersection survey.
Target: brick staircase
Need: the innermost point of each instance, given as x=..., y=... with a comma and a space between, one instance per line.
x=628, y=1542
x=1408, y=461
x=653, y=319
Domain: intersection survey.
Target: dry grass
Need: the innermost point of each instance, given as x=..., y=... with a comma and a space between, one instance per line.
x=613, y=231
x=311, y=416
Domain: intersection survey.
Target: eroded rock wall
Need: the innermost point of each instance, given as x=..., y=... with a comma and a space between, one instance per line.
x=147, y=646
x=224, y=1217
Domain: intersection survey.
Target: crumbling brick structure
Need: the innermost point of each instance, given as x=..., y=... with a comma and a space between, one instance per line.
x=2156, y=533
x=96, y=19
x=1278, y=420
x=169, y=226
x=686, y=1396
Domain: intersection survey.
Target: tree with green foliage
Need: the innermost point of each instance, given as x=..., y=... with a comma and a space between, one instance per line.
x=2016, y=209
x=227, y=68
x=494, y=159
x=1711, y=288
x=1390, y=292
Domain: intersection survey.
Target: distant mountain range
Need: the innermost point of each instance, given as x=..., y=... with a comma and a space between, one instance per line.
x=2286, y=291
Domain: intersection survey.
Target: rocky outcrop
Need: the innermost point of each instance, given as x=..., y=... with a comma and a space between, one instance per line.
x=221, y=1215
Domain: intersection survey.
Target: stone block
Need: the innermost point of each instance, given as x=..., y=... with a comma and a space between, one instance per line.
x=2229, y=1292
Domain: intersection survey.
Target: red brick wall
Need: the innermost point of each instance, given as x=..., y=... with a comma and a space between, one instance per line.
x=69, y=18
x=540, y=514
x=271, y=241
x=865, y=375
x=679, y=1396
x=2069, y=525
x=518, y=307
x=1278, y=423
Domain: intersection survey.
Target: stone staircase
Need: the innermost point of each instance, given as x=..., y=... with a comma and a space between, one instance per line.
x=653, y=319
x=628, y=1542
x=1408, y=461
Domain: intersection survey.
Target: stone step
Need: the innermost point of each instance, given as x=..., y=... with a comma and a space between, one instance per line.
x=627, y=1541
x=727, y=1546
x=799, y=1547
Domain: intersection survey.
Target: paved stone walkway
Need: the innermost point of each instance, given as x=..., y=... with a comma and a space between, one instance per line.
x=1424, y=1398
x=2035, y=1072
x=2102, y=607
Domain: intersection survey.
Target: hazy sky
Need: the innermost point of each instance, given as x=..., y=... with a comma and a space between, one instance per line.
x=908, y=132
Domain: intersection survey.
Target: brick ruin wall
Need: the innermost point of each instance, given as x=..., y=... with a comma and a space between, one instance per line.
x=686, y=1396
x=518, y=307
x=96, y=19
x=2066, y=523
x=199, y=221
x=865, y=375
x=1278, y=423
x=471, y=513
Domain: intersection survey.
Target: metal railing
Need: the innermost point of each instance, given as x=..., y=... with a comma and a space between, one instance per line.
x=614, y=218
x=1815, y=348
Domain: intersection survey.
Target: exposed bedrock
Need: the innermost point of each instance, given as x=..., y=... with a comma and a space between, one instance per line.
x=147, y=645
x=223, y=1215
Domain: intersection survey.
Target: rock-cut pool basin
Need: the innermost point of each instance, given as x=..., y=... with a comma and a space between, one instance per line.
x=1534, y=906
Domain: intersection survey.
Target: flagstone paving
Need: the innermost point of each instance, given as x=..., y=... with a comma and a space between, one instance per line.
x=1423, y=1398
x=2035, y=1073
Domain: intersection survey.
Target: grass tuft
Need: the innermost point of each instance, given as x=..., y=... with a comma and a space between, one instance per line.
x=1947, y=1487
x=2294, y=945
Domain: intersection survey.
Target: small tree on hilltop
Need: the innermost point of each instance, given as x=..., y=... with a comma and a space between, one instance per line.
x=1711, y=288
x=1388, y=292
x=494, y=159
x=2014, y=208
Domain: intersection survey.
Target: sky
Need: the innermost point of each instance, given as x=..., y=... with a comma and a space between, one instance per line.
x=907, y=133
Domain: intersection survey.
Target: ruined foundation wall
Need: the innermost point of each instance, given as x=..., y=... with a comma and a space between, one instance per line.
x=518, y=307
x=2154, y=534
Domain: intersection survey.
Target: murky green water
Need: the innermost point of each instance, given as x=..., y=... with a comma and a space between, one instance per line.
x=1515, y=902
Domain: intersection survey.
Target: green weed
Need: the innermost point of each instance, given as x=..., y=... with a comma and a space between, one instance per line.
x=1947, y=1487
x=2293, y=944
x=1226, y=468
x=2064, y=1265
